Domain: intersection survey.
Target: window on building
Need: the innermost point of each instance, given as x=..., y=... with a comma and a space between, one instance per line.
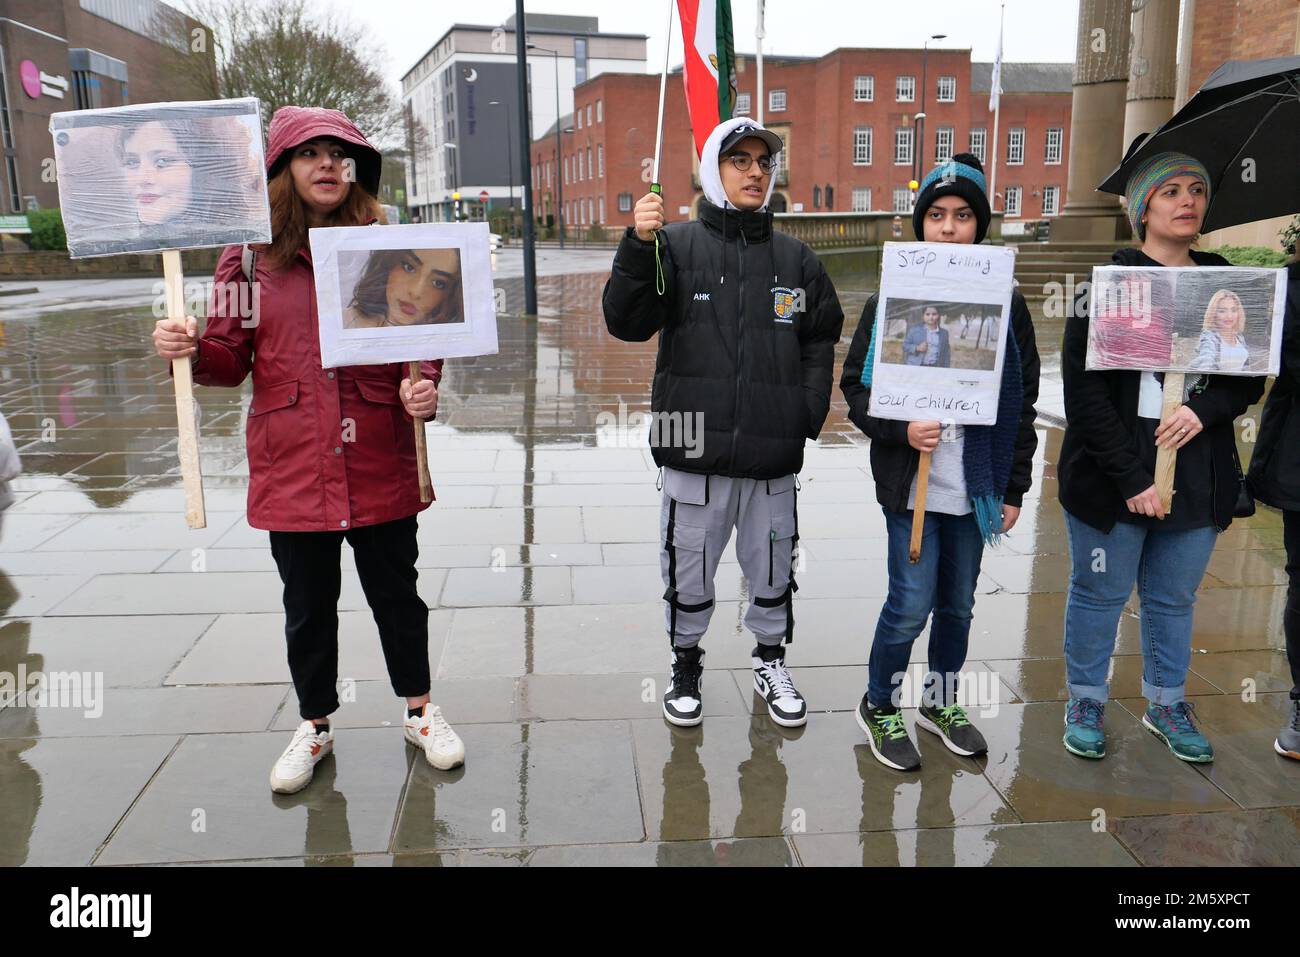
x=600, y=111
x=625, y=202
x=864, y=89
x=581, y=174
x=591, y=170
x=817, y=197
x=742, y=105
x=902, y=199
x=601, y=203
x=1051, y=200
x=862, y=146
x=862, y=199
x=566, y=171
x=943, y=144
x=589, y=114
x=947, y=89
x=830, y=196
x=600, y=161
x=776, y=101
x=1014, y=194
x=1015, y=146
x=905, y=89
x=1055, y=138
x=579, y=60
x=579, y=111
x=978, y=140
x=903, y=146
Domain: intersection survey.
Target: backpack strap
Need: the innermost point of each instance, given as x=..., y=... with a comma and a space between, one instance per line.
x=248, y=262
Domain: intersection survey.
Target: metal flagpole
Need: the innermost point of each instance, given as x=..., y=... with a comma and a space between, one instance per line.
x=997, y=113
x=655, y=186
x=759, y=33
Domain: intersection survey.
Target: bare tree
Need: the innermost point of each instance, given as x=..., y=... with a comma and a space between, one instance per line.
x=286, y=54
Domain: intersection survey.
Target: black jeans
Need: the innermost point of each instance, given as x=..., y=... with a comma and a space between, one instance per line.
x=1291, y=615
x=309, y=568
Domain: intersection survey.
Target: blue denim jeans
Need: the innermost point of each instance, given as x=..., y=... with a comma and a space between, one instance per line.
x=942, y=582
x=1167, y=567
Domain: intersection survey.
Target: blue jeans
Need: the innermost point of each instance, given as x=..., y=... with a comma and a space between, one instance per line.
x=1167, y=567
x=943, y=582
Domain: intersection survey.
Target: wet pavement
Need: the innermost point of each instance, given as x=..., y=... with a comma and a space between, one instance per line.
x=541, y=567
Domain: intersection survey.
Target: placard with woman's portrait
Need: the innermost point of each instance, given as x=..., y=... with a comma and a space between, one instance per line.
x=161, y=176
x=403, y=293
x=1225, y=320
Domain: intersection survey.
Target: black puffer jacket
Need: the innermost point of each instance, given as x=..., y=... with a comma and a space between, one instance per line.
x=757, y=370
x=1102, y=463
x=893, y=460
x=1274, y=476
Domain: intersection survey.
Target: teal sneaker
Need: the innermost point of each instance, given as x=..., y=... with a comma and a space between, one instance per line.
x=1174, y=726
x=1084, y=735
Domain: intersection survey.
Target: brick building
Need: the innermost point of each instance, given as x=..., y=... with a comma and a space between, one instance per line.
x=60, y=55
x=848, y=123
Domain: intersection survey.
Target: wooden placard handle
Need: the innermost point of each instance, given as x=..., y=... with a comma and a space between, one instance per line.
x=421, y=447
x=918, y=512
x=1167, y=458
x=187, y=427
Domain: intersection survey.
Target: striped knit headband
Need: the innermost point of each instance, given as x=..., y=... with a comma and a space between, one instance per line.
x=1150, y=175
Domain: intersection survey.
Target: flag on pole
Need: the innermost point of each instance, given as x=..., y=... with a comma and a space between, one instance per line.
x=995, y=88
x=709, y=64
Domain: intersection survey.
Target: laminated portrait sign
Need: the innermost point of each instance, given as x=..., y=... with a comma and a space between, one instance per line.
x=161, y=176
x=1225, y=320
x=941, y=326
x=403, y=293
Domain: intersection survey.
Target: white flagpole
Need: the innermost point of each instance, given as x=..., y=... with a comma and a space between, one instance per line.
x=997, y=112
x=663, y=86
x=759, y=33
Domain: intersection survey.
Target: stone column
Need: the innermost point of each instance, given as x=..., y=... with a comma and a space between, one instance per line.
x=1153, y=68
x=1096, y=122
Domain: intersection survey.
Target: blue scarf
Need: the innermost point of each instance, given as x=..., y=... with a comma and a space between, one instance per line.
x=988, y=451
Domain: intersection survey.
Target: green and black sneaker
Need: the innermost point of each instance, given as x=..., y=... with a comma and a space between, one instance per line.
x=951, y=724
x=887, y=736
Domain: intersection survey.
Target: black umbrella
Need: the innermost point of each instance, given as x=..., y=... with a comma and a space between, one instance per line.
x=1244, y=125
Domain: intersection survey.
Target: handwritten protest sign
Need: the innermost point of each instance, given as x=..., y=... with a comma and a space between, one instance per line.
x=943, y=311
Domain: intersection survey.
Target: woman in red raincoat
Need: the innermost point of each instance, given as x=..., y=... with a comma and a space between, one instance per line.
x=331, y=452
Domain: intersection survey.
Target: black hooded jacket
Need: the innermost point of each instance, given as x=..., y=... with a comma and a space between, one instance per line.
x=735, y=346
x=1275, y=464
x=1103, y=462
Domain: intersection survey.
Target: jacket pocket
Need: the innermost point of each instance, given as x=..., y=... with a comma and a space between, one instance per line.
x=271, y=433
x=384, y=392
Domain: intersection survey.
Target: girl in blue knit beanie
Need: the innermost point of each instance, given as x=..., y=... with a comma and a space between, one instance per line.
x=978, y=477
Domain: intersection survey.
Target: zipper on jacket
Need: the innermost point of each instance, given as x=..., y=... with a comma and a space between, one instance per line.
x=740, y=347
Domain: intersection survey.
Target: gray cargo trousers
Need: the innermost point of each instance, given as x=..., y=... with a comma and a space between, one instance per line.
x=696, y=517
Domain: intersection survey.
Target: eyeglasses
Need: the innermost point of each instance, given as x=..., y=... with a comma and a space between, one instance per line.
x=742, y=162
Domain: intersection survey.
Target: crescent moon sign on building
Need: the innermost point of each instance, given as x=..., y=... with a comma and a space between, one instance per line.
x=470, y=74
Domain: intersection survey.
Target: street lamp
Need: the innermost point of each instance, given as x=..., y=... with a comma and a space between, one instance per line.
x=509, y=161
x=559, y=157
x=919, y=121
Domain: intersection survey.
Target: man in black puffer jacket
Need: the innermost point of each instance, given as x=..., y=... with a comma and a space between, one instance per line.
x=747, y=322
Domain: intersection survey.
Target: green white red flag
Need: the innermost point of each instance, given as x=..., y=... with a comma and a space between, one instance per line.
x=709, y=64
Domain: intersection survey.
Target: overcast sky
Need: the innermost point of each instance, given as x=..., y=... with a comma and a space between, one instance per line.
x=1036, y=30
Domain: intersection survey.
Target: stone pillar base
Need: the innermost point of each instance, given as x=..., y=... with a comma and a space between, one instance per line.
x=1082, y=228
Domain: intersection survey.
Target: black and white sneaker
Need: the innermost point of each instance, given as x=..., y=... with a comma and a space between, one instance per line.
x=785, y=705
x=683, y=704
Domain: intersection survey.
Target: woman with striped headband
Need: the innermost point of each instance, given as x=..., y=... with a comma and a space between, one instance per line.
x=1120, y=535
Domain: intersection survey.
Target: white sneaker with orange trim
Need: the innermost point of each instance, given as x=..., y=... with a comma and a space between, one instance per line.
x=294, y=769
x=430, y=732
